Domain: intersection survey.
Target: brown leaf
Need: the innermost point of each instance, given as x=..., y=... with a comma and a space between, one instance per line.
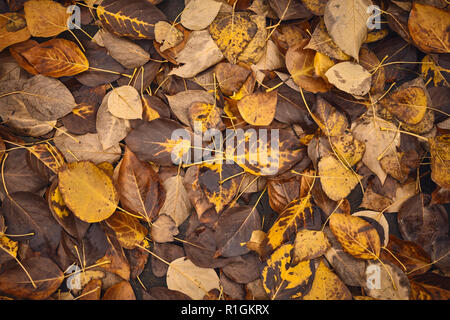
x=120, y=291
x=139, y=187
x=163, y=229
x=45, y=273
x=139, y=18
x=234, y=227
x=56, y=58
x=429, y=28
x=13, y=29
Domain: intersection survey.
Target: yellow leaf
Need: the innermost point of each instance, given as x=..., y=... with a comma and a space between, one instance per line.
x=129, y=231
x=336, y=179
x=321, y=64
x=13, y=29
x=87, y=191
x=440, y=160
x=349, y=150
x=282, y=279
x=408, y=105
x=356, y=236
x=258, y=108
x=327, y=286
x=46, y=18
x=232, y=33
x=310, y=244
x=297, y=215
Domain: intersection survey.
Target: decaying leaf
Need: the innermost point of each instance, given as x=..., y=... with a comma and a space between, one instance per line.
x=350, y=77
x=386, y=281
x=135, y=19
x=298, y=215
x=127, y=228
x=13, y=29
x=346, y=22
x=429, y=28
x=125, y=103
x=186, y=277
x=327, y=286
x=357, y=237
x=380, y=137
x=309, y=245
x=177, y=204
x=194, y=60
x=163, y=229
x=439, y=149
x=284, y=279
x=198, y=14
x=46, y=18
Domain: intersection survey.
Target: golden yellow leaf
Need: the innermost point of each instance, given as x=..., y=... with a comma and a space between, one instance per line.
x=232, y=33
x=349, y=150
x=13, y=29
x=129, y=231
x=46, y=18
x=283, y=279
x=327, y=286
x=298, y=214
x=321, y=64
x=440, y=160
x=259, y=108
x=430, y=28
x=337, y=180
x=87, y=191
x=310, y=244
x=408, y=105
x=356, y=236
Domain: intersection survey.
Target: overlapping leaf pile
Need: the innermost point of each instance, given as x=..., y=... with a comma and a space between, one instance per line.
x=107, y=154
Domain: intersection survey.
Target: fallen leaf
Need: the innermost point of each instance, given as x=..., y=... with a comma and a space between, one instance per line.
x=350, y=77
x=167, y=35
x=126, y=52
x=163, y=229
x=429, y=28
x=182, y=101
x=87, y=191
x=198, y=14
x=186, y=277
x=357, y=237
x=13, y=29
x=177, y=204
x=139, y=187
x=56, y=58
x=28, y=214
x=309, y=245
x=159, y=141
x=120, y=291
x=134, y=19
x=409, y=254
x=439, y=149
x=337, y=180
x=232, y=33
x=346, y=22
x=14, y=281
x=258, y=109
x=194, y=60
x=387, y=282
x=298, y=215
x=47, y=99
x=46, y=18
x=283, y=279
x=128, y=229
x=408, y=105
x=124, y=102
x=86, y=147
x=110, y=129
x=379, y=137
x=233, y=228
x=327, y=286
